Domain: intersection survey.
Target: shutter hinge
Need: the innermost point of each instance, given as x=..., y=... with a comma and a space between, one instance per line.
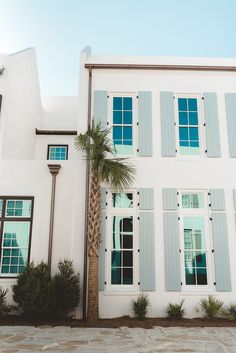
x=107, y=123
x=106, y=217
x=204, y=124
x=178, y=204
x=179, y=250
x=138, y=218
x=173, y=97
x=137, y=123
x=202, y=97
x=210, y=219
x=137, y=149
x=137, y=204
x=176, y=150
x=106, y=192
x=105, y=282
x=137, y=192
x=174, y=124
x=212, y=250
x=177, y=193
x=205, y=151
x=137, y=97
x=138, y=283
x=178, y=218
x=105, y=250
x=106, y=203
x=214, y=283
x=209, y=205
x=209, y=194
x=181, y=283
x=108, y=96
x=138, y=250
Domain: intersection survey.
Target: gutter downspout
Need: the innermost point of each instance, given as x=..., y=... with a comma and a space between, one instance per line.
x=54, y=170
x=85, y=274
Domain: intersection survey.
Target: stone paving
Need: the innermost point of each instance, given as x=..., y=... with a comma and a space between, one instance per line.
x=27, y=339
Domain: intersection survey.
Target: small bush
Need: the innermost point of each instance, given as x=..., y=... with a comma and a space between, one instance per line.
x=212, y=307
x=4, y=307
x=40, y=296
x=66, y=290
x=175, y=311
x=231, y=312
x=140, y=305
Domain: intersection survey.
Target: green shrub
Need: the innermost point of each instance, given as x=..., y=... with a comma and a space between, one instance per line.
x=40, y=296
x=231, y=312
x=66, y=288
x=4, y=307
x=140, y=305
x=212, y=307
x=175, y=311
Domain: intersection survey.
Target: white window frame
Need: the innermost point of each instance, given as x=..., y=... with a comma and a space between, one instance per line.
x=196, y=212
x=201, y=122
x=133, y=95
x=112, y=211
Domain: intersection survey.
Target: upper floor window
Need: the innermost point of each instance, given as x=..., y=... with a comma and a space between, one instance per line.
x=122, y=124
x=189, y=126
x=16, y=223
x=57, y=152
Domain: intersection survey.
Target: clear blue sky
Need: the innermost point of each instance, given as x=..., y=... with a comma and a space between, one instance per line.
x=59, y=29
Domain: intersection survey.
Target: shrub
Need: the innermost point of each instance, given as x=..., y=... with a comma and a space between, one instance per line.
x=40, y=296
x=4, y=307
x=175, y=311
x=232, y=311
x=140, y=305
x=32, y=292
x=66, y=289
x=211, y=306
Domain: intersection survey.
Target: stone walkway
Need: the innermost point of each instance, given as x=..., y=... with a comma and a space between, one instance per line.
x=25, y=339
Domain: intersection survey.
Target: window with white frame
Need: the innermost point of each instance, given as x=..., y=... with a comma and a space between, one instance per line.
x=195, y=240
x=189, y=122
x=122, y=124
x=57, y=152
x=122, y=240
x=16, y=222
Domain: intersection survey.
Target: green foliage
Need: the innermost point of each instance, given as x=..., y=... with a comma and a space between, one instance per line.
x=140, y=305
x=175, y=311
x=231, y=312
x=40, y=296
x=212, y=307
x=66, y=288
x=4, y=307
x=97, y=146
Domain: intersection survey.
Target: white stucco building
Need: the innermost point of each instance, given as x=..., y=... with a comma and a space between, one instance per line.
x=173, y=235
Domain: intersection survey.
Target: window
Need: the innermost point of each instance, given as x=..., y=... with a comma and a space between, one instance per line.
x=122, y=240
x=16, y=222
x=122, y=124
x=188, y=121
x=195, y=240
x=57, y=152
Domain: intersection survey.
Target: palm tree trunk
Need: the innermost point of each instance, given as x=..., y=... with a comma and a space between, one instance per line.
x=93, y=247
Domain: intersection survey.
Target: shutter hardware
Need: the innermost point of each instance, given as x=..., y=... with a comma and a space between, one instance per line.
x=204, y=124
x=106, y=217
x=205, y=151
x=177, y=193
x=138, y=192
x=214, y=283
x=106, y=192
x=178, y=218
x=138, y=283
x=138, y=150
x=105, y=250
x=181, y=283
x=212, y=250
x=173, y=97
x=137, y=204
x=178, y=204
x=137, y=97
x=179, y=250
x=106, y=203
x=209, y=194
x=138, y=218
x=105, y=282
x=108, y=97
x=203, y=98
x=176, y=151
x=137, y=123
x=209, y=205
x=210, y=219
x=138, y=250
x=107, y=123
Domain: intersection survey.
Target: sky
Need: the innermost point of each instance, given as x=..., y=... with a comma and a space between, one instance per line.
x=60, y=29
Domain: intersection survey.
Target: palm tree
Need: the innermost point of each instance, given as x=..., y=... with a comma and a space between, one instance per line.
x=114, y=172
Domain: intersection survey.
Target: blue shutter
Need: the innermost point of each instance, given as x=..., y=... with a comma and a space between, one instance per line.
x=172, y=258
x=146, y=199
x=170, y=199
x=168, y=146
x=221, y=252
x=217, y=199
x=100, y=108
x=230, y=102
x=212, y=125
x=147, y=252
x=101, y=273
x=145, y=124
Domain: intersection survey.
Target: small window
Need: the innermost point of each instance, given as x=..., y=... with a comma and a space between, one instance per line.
x=57, y=152
x=188, y=126
x=122, y=200
x=193, y=200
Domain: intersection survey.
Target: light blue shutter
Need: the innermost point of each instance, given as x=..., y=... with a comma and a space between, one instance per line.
x=146, y=241
x=167, y=124
x=145, y=124
x=147, y=253
x=101, y=260
x=230, y=102
x=170, y=199
x=221, y=252
x=212, y=125
x=172, y=256
x=146, y=199
x=217, y=199
x=100, y=108
x=234, y=196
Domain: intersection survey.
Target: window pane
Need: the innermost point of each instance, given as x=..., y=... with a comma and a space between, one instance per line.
x=127, y=258
x=127, y=276
x=183, y=133
x=1, y=206
x=117, y=117
x=193, y=131
x=202, y=276
x=127, y=116
x=57, y=153
x=117, y=103
x=122, y=200
x=18, y=208
x=128, y=133
x=116, y=276
x=15, y=245
x=192, y=104
x=116, y=259
x=117, y=133
x=193, y=200
x=193, y=118
x=183, y=118
x=182, y=104
x=127, y=103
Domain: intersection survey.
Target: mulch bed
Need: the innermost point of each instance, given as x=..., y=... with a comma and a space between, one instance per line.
x=119, y=322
